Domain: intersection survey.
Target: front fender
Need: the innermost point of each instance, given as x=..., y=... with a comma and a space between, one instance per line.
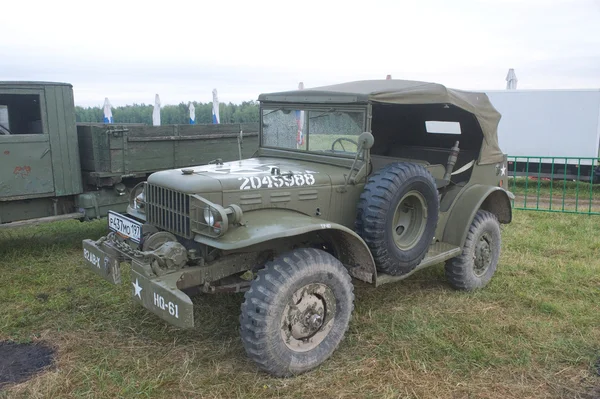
x=264, y=225
x=490, y=198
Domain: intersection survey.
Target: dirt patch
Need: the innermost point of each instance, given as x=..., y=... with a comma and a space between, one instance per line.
x=19, y=362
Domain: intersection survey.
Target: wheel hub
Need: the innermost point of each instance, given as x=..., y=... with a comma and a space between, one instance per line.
x=482, y=255
x=315, y=321
x=409, y=220
x=308, y=317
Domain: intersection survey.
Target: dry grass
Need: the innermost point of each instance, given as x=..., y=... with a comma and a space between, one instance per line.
x=534, y=332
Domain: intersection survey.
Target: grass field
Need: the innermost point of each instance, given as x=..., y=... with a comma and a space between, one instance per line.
x=534, y=332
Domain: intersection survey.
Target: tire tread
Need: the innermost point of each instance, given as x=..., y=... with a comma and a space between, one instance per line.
x=254, y=331
x=373, y=207
x=455, y=267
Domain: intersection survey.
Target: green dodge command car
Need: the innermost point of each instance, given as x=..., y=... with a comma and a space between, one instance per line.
x=371, y=180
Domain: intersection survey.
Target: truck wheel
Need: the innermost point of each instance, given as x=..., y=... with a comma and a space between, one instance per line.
x=477, y=264
x=296, y=312
x=397, y=216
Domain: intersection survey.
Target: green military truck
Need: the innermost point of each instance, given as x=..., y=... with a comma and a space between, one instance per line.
x=372, y=180
x=52, y=168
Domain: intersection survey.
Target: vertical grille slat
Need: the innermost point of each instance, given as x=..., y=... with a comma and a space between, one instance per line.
x=169, y=210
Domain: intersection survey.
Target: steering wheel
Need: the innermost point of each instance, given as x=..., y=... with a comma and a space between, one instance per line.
x=4, y=130
x=340, y=141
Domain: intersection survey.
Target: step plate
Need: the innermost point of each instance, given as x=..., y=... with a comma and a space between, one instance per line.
x=438, y=253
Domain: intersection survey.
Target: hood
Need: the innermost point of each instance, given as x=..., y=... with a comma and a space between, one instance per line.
x=248, y=174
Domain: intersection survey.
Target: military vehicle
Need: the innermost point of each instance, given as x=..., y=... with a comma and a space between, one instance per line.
x=371, y=179
x=52, y=168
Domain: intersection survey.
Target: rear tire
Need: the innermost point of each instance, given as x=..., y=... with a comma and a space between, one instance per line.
x=397, y=216
x=474, y=268
x=296, y=312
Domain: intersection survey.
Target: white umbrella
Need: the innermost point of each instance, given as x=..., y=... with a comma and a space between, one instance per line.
x=192, y=114
x=108, y=118
x=215, y=110
x=156, y=111
x=511, y=80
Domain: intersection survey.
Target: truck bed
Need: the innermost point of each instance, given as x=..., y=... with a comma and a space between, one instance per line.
x=125, y=150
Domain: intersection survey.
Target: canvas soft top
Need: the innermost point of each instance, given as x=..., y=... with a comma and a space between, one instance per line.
x=394, y=91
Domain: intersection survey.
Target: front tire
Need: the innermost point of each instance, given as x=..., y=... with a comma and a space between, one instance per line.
x=296, y=312
x=474, y=268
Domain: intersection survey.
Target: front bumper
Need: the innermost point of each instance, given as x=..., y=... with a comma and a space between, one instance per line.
x=159, y=295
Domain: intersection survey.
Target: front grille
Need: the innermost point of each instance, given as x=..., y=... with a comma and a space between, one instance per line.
x=168, y=209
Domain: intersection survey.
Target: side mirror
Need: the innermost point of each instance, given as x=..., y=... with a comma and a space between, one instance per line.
x=366, y=139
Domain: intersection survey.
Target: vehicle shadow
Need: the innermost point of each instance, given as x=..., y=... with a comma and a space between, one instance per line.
x=58, y=235
x=216, y=318
x=217, y=315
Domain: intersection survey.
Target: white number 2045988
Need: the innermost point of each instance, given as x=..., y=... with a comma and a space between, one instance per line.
x=297, y=180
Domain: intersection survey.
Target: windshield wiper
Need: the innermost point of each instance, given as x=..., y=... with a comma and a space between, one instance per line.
x=323, y=114
x=275, y=110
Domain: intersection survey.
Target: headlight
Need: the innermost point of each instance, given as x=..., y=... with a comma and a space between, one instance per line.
x=137, y=198
x=209, y=217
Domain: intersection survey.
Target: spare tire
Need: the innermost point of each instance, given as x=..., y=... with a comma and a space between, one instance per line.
x=397, y=216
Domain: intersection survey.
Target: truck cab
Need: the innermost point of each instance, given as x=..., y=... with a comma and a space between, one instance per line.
x=38, y=150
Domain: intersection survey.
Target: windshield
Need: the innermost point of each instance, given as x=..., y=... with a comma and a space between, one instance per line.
x=330, y=130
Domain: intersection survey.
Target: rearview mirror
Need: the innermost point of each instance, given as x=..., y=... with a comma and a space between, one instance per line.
x=366, y=139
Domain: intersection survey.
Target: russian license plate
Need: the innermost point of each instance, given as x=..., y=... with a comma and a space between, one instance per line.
x=125, y=227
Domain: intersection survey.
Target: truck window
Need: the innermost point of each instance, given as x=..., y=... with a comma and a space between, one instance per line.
x=20, y=114
x=334, y=131
x=442, y=127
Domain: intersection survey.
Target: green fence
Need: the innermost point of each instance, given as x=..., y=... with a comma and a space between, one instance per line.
x=555, y=184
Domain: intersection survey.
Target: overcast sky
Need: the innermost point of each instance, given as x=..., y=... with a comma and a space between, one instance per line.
x=129, y=50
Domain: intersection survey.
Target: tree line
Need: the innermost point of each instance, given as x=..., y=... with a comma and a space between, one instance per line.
x=246, y=112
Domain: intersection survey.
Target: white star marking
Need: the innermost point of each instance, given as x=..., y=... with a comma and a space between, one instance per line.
x=502, y=170
x=137, y=288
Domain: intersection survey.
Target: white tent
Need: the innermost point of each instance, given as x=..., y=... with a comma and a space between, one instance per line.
x=108, y=118
x=511, y=80
x=156, y=111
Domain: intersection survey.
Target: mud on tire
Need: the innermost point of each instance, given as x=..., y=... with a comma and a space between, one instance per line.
x=296, y=312
x=397, y=216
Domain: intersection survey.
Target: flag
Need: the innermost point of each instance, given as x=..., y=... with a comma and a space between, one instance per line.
x=215, y=110
x=156, y=111
x=108, y=118
x=192, y=114
x=300, y=123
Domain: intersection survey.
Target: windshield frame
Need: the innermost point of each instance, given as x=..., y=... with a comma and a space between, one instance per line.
x=363, y=108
